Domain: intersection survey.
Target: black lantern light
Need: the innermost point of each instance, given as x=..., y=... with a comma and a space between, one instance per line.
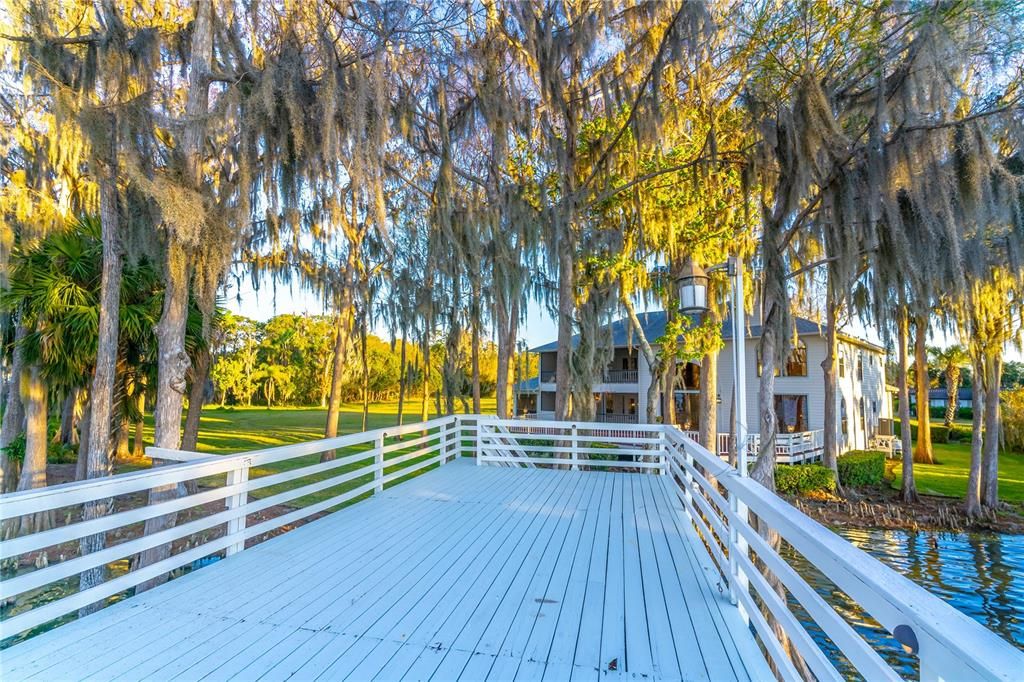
x=692, y=286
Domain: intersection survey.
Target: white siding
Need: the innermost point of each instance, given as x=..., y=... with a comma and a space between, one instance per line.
x=850, y=388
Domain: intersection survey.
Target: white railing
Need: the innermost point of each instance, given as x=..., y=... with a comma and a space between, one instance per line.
x=609, y=418
x=723, y=508
x=727, y=511
x=244, y=486
x=790, y=448
x=580, y=445
x=620, y=376
x=730, y=513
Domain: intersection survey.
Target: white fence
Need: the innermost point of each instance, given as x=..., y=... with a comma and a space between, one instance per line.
x=730, y=513
x=726, y=511
x=790, y=448
x=250, y=483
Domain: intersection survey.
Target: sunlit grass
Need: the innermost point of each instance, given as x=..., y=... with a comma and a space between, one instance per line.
x=948, y=476
x=232, y=430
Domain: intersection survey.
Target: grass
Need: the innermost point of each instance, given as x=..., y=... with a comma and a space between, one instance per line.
x=948, y=476
x=231, y=430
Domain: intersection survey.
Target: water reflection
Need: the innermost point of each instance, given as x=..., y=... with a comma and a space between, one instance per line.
x=980, y=575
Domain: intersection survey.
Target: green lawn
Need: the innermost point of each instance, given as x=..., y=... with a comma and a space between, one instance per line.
x=948, y=476
x=230, y=430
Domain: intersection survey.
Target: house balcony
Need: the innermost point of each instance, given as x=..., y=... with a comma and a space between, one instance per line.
x=790, y=448
x=472, y=548
x=609, y=376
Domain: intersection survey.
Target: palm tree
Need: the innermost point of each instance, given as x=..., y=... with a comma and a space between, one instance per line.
x=951, y=361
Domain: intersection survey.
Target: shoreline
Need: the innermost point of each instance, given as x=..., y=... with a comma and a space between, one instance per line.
x=882, y=509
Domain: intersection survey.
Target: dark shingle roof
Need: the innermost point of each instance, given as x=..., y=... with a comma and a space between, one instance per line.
x=653, y=324
x=531, y=385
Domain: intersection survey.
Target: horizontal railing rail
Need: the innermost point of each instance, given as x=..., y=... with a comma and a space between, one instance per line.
x=580, y=445
x=732, y=514
x=620, y=376
x=243, y=485
x=735, y=518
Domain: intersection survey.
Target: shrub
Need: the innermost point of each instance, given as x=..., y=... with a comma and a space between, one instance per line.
x=937, y=412
x=940, y=433
x=960, y=434
x=1013, y=418
x=800, y=479
x=861, y=467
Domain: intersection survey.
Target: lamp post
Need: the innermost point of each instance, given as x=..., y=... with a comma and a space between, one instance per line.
x=692, y=287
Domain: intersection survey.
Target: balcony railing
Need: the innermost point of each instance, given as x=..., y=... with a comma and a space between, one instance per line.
x=610, y=418
x=620, y=376
x=609, y=376
x=790, y=448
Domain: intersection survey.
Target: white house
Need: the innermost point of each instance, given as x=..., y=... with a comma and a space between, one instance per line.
x=865, y=410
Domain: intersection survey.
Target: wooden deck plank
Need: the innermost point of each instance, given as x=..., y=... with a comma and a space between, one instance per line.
x=344, y=615
x=464, y=572
x=285, y=667
x=613, y=625
x=561, y=647
x=637, y=637
x=588, y=641
x=686, y=638
x=434, y=584
x=488, y=623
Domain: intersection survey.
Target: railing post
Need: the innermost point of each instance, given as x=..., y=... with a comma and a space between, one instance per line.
x=236, y=525
x=479, y=451
x=378, y=464
x=574, y=448
x=663, y=448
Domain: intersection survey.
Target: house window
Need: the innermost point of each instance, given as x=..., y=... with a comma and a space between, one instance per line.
x=842, y=365
x=863, y=417
x=795, y=365
x=843, y=424
x=632, y=406
x=547, y=401
x=860, y=367
x=791, y=412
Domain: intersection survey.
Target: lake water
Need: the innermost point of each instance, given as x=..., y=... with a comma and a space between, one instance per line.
x=981, y=575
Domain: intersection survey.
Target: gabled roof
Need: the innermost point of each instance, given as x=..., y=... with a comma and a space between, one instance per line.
x=654, y=323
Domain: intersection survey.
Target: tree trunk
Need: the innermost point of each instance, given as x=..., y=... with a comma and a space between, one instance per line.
x=68, y=412
x=85, y=426
x=990, y=454
x=366, y=371
x=173, y=362
x=475, y=360
x=138, y=446
x=341, y=333
x=101, y=396
x=566, y=306
x=708, y=399
x=908, y=487
x=425, y=404
x=763, y=470
x=402, y=378
x=972, y=500
x=923, y=451
x=507, y=323
x=196, y=396
x=952, y=395
x=14, y=412
x=830, y=454
x=33, y=467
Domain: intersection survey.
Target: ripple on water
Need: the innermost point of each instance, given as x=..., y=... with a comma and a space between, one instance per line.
x=981, y=575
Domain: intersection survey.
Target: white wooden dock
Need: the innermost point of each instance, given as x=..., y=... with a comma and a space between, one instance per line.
x=555, y=551
x=466, y=572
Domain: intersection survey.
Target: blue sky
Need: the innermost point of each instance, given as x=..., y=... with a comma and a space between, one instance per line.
x=539, y=327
